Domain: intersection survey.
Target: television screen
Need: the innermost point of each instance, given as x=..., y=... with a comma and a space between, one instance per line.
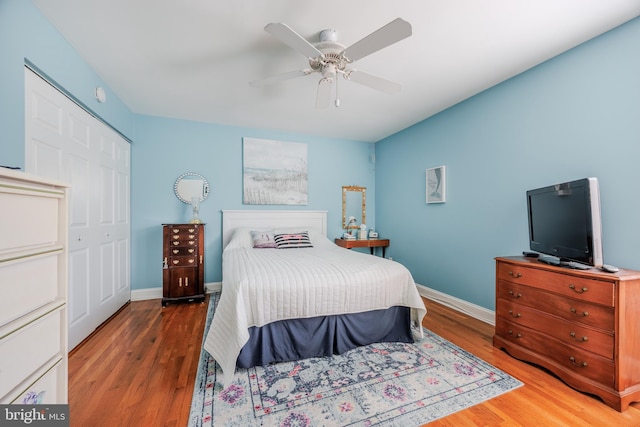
x=564, y=221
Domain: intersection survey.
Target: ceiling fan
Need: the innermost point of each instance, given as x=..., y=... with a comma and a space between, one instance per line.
x=330, y=58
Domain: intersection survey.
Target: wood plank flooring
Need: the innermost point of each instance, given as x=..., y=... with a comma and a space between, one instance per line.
x=139, y=370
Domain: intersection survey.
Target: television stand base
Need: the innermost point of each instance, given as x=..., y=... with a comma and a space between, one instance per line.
x=559, y=262
x=551, y=260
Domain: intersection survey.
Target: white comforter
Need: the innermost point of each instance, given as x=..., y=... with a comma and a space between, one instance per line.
x=265, y=285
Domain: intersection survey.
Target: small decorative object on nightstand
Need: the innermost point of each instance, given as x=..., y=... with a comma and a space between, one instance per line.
x=363, y=231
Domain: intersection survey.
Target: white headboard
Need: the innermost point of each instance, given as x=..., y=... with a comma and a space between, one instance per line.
x=264, y=219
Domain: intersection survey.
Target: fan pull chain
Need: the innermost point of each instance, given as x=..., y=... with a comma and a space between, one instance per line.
x=337, y=101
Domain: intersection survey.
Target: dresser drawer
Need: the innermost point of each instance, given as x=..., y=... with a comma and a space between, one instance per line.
x=28, y=348
x=28, y=283
x=569, y=309
x=184, y=242
x=18, y=227
x=573, y=286
x=569, y=358
x=48, y=387
x=183, y=261
x=183, y=232
x=183, y=251
x=569, y=333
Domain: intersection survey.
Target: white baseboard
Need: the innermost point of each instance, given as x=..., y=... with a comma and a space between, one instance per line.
x=147, y=293
x=213, y=287
x=480, y=313
x=156, y=293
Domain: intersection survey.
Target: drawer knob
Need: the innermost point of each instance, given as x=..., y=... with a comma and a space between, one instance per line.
x=515, y=335
x=516, y=315
x=513, y=294
x=176, y=261
x=191, y=250
x=579, y=365
x=192, y=242
x=584, y=313
x=191, y=260
x=578, y=291
x=581, y=339
x=516, y=275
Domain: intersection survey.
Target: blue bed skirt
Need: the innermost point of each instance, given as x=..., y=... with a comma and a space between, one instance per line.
x=322, y=336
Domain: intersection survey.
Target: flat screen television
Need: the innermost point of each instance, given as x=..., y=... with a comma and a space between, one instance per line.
x=564, y=221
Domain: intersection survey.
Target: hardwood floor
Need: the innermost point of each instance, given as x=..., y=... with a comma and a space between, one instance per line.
x=139, y=370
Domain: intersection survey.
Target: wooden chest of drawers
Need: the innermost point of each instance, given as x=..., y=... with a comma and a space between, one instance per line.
x=183, y=263
x=580, y=325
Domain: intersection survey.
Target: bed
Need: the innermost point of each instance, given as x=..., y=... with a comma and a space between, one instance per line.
x=289, y=304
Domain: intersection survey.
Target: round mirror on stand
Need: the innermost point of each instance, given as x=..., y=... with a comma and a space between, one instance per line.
x=192, y=188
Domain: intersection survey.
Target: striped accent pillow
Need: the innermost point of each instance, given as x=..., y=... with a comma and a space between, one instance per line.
x=293, y=240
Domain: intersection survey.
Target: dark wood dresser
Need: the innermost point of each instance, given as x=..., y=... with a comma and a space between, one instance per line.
x=582, y=325
x=182, y=263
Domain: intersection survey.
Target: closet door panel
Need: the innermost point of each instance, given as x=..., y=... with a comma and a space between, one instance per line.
x=107, y=278
x=79, y=205
x=79, y=291
x=122, y=265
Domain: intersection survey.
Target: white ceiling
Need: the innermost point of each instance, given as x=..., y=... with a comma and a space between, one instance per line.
x=193, y=59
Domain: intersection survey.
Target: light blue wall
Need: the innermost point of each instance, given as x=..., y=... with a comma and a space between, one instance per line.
x=162, y=148
x=575, y=116
x=26, y=36
x=166, y=148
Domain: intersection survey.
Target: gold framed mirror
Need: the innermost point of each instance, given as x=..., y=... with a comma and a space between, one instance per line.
x=354, y=205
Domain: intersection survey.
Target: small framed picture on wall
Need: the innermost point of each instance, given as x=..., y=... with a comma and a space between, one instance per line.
x=436, y=185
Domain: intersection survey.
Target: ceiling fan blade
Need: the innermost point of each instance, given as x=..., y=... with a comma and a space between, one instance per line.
x=374, y=82
x=292, y=39
x=324, y=92
x=391, y=33
x=280, y=77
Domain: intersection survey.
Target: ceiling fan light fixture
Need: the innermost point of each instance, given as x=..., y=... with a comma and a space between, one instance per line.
x=329, y=71
x=328, y=35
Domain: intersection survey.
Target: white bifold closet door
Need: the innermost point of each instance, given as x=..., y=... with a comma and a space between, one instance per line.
x=65, y=142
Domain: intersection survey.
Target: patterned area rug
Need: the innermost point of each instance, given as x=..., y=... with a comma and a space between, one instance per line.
x=388, y=384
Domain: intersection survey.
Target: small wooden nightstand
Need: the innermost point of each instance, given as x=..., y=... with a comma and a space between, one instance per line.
x=364, y=243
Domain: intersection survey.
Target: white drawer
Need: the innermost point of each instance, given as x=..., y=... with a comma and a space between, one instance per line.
x=47, y=389
x=28, y=348
x=26, y=284
x=28, y=221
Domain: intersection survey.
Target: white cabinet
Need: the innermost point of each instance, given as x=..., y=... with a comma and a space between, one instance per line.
x=33, y=289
